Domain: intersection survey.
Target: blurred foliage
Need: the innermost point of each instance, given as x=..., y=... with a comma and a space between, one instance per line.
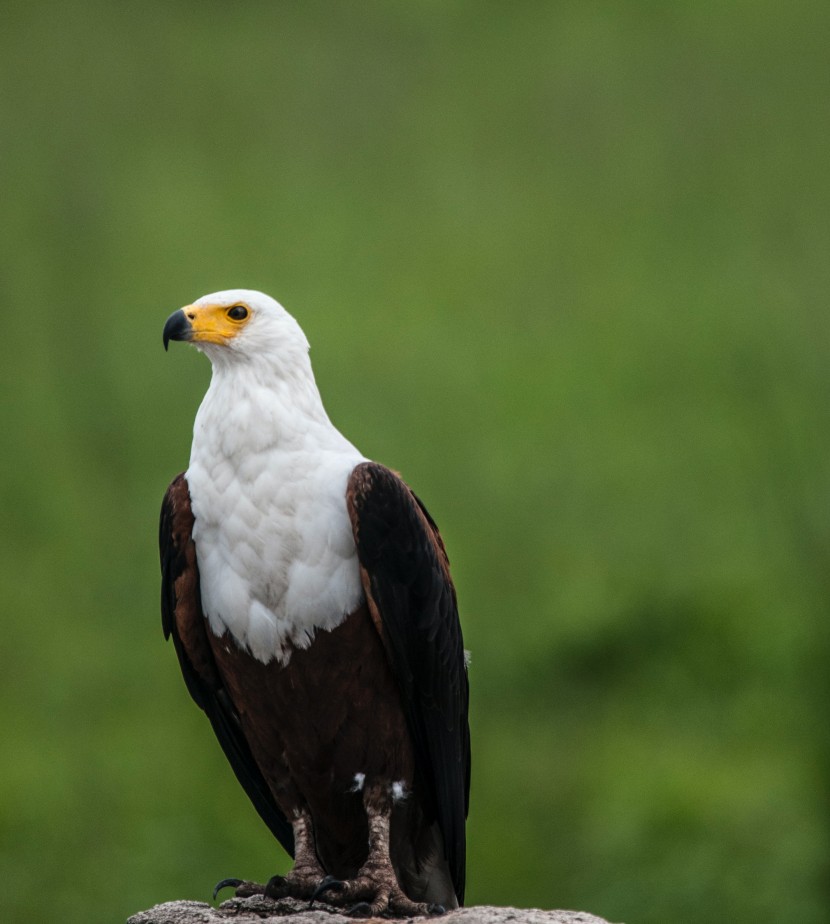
x=563, y=265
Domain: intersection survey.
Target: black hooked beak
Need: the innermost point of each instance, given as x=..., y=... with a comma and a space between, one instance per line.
x=177, y=327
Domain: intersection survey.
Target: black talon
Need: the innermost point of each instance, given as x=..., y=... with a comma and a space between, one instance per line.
x=226, y=884
x=436, y=909
x=360, y=910
x=325, y=885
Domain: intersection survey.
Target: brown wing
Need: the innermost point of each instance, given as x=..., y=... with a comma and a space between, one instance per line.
x=183, y=620
x=407, y=582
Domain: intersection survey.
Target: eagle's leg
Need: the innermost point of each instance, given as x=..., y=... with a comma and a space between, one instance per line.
x=375, y=889
x=305, y=875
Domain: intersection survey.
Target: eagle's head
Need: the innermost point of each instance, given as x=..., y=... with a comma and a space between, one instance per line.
x=239, y=325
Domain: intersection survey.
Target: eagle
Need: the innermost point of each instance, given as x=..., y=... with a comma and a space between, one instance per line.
x=308, y=595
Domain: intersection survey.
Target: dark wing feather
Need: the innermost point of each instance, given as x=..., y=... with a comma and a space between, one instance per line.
x=406, y=578
x=182, y=618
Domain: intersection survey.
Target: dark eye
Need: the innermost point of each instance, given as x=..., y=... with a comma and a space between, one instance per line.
x=238, y=313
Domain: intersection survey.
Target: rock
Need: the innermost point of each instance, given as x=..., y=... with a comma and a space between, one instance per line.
x=258, y=909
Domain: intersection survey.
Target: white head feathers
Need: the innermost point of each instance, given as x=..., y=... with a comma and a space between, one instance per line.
x=269, y=333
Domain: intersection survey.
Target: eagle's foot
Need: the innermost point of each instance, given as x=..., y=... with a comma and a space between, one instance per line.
x=373, y=892
x=302, y=882
x=306, y=879
x=242, y=887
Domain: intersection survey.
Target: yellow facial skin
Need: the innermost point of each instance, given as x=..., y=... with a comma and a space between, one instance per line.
x=216, y=323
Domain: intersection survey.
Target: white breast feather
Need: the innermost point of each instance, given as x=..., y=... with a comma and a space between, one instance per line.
x=274, y=543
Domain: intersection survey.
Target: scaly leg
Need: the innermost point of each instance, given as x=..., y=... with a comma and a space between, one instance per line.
x=375, y=889
x=304, y=877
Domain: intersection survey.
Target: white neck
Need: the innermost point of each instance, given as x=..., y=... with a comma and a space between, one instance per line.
x=254, y=406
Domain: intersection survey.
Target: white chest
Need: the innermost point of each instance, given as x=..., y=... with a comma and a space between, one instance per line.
x=274, y=543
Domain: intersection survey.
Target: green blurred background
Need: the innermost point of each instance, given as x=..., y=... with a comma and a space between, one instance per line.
x=565, y=266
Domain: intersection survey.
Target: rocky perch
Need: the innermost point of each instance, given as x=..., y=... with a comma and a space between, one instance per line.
x=256, y=909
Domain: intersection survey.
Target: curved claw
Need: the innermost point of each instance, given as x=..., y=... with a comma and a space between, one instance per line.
x=436, y=910
x=226, y=884
x=325, y=885
x=360, y=910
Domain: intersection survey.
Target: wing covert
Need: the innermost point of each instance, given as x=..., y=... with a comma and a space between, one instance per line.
x=406, y=578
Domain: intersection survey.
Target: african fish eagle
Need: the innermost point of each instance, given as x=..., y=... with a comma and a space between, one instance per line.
x=308, y=595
